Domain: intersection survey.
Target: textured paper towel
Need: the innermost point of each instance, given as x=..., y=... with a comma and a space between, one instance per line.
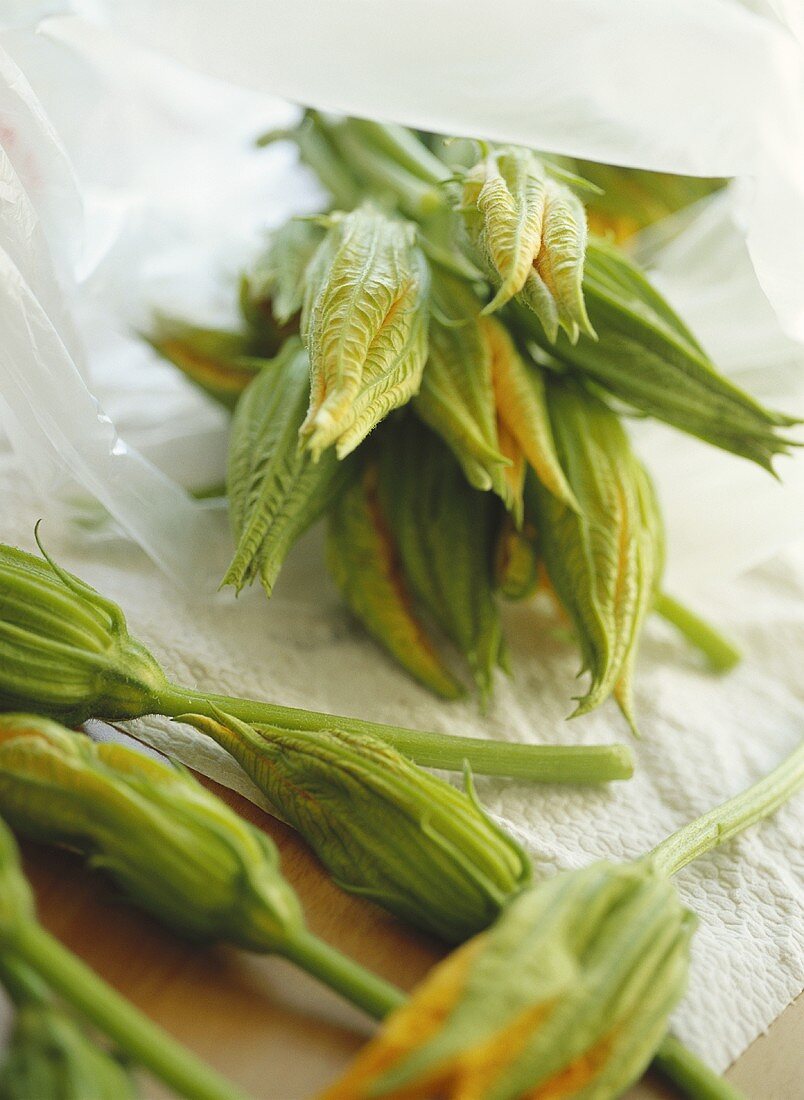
x=704, y=739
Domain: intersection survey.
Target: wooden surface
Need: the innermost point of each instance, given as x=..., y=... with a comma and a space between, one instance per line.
x=268, y=1027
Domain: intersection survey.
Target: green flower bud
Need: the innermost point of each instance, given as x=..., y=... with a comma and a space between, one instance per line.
x=65, y=651
x=32, y=964
x=445, y=533
x=220, y=363
x=604, y=561
x=276, y=490
x=65, y=647
x=568, y=994
x=648, y=358
x=457, y=394
x=176, y=849
x=488, y=404
x=50, y=1058
x=530, y=230
x=364, y=564
x=364, y=323
x=384, y=828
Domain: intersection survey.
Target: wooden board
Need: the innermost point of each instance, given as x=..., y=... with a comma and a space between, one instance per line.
x=268, y=1027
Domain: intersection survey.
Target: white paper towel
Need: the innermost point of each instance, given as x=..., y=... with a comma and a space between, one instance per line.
x=705, y=738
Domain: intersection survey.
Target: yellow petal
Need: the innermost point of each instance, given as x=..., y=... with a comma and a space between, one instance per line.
x=523, y=421
x=364, y=563
x=409, y=1028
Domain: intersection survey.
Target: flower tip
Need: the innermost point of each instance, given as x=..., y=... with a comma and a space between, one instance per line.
x=551, y=328
x=624, y=700
x=504, y=295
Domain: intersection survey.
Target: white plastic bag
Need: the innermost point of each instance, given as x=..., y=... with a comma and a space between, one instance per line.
x=132, y=182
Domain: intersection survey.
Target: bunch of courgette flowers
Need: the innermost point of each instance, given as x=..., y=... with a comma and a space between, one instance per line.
x=442, y=364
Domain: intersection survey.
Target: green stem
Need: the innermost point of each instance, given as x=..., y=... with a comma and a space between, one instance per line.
x=133, y=1032
x=402, y=145
x=417, y=199
x=537, y=763
x=693, y=1077
x=731, y=817
x=719, y=651
x=23, y=985
x=319, y=153
x=358, y=985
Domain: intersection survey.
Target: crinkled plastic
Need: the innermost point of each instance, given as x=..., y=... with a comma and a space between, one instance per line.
x=140, y=187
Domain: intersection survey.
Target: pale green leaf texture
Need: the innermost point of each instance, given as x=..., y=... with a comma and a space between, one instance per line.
x=364, y=564
x=523, y=422
x=276, y=490
x=364, y=323
x=445, y=533
x=485, y=401
x=508, y=190
x=278, y=275
x=530, y=230
x=605, y=561
x=554, y=287
x=646, y=356
x=457, y=394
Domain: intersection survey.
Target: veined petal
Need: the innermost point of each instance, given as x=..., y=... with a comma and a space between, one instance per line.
x=384, y=828
x=457, y=395
x=364, y=323
x=605, y=560
x=276, y=490
x=645, y=356
x=508, y=189
x=445, y=533
x=278, y=276
x=567, y=994
x=171, y=845
x=220, y=363
x=522, y=416
x=364, y=563
x=557, y=273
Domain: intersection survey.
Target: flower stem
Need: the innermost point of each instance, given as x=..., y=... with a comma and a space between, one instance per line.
x=358, y=985
x=693, y=1077
x=23, y=985
x=731, y=817
x=133, y=1032
x=537, y=763
x=719, y=651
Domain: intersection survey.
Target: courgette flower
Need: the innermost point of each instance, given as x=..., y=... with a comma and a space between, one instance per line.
x=384, y=828
x=65, y=651
x=568, y=994
x=171, y=845
x=66, y=647
x=364, y=324
x=530, y=230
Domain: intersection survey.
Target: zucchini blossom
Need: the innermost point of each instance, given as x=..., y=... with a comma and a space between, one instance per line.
x=65, y=652
x=384, y=828
x=568, y=994
x=171, y=845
